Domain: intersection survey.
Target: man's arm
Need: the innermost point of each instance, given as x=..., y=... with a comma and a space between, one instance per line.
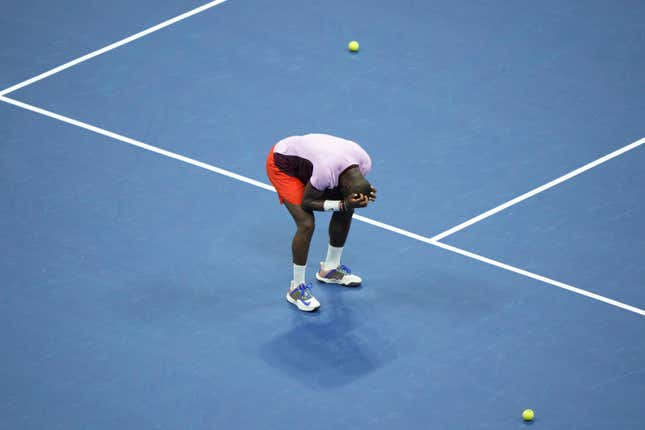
x=313, y=200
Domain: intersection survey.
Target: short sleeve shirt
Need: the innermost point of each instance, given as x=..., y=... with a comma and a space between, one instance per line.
x=319, y=158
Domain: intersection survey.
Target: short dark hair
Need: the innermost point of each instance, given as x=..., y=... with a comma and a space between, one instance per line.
x=358, y=186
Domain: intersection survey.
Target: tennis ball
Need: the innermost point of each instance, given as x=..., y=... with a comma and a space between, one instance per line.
x=353, y=46
x=528, y=414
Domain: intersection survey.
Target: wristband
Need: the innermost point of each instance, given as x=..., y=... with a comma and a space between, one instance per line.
x=334, y=205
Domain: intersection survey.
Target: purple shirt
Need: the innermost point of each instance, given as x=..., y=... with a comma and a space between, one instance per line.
x=319, y=158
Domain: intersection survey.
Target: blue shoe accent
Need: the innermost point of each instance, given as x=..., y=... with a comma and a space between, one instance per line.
x=345, y=269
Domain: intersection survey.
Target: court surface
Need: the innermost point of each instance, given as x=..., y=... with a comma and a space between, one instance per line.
x=145, y=257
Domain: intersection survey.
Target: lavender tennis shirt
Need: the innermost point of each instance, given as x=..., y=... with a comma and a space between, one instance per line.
x=319, y=158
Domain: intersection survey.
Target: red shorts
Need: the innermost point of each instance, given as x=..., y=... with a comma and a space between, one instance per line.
x=289, y=189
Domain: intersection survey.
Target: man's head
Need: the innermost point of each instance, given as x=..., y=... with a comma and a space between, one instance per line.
x=351, y=181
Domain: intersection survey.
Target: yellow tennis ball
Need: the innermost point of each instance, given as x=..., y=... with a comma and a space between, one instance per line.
x=353, y=46
x=528, y=414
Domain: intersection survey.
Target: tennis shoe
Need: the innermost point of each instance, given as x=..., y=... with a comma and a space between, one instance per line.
x=301, y=297
x=341, y=275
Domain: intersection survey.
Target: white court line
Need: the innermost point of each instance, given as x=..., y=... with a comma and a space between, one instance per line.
x=370, y=221
x=134, y=142
x=539, y=189
x=541, y=278
x=501, y=265
x=112, y=46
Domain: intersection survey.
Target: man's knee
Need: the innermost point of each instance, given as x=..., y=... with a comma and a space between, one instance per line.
x=343, y=217
x=306, y=225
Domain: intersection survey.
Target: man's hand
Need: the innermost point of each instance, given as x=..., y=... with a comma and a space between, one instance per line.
x=356, y=201
x=372, y=196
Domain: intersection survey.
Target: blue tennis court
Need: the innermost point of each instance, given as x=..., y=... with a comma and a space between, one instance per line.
x=146, y=259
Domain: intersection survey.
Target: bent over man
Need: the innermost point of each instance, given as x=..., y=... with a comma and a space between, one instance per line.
x=319, y=172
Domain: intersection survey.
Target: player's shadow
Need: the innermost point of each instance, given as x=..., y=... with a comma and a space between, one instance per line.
x=328, y=348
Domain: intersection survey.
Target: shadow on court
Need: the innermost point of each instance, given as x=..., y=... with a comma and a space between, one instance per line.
x=328, y=348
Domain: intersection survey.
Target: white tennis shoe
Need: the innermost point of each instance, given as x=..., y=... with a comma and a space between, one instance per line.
x=342, y=275
x=301, y=297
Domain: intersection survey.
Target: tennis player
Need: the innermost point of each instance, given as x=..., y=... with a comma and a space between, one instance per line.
x=319, y=172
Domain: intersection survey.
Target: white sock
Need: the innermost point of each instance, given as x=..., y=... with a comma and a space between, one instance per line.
x=333, y=257
x=298, y=274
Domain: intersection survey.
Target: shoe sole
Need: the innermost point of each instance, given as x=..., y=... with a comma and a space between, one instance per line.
x=296, y=304
x=336, y=281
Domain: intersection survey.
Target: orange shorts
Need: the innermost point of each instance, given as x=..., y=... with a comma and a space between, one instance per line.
x=289, y=189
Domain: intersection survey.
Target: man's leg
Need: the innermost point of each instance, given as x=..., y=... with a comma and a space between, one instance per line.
x=299, y=293
x=339, y=228
x=331, y=270
x=305, y=225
